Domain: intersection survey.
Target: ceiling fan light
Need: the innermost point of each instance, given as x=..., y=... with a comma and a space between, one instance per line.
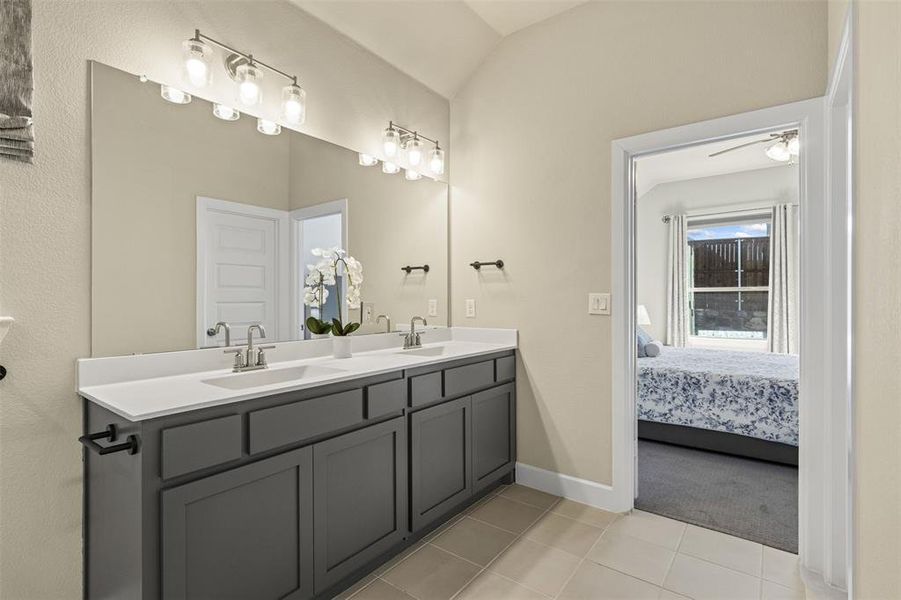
x=794, y=146
x=779, y=152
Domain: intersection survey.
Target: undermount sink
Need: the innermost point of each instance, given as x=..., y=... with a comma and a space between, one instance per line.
x=433, y=351
x=240, y=381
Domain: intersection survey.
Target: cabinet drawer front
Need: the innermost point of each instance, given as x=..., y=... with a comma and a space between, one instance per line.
x=425, y=389
x=200, y=445
x=461, y=380
x=386, y=398
x=281, y=425
x=505, y=368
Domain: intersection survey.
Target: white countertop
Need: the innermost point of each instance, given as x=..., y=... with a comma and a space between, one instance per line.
x=147, y=386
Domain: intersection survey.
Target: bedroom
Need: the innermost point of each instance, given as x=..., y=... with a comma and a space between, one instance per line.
x=717, y=281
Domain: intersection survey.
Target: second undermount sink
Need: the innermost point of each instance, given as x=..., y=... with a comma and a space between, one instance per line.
x=240, y=381
x=430, y=351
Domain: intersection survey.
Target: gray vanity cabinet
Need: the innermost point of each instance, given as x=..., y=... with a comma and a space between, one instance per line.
x=440, y=460
x=244, y=533
x=493, y=435
x=360, y=483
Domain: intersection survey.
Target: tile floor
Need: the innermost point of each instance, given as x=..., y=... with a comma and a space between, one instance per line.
x=522, y=544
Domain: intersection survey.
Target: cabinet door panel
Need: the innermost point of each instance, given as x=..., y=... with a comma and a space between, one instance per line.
x=360, y=495
x=493, y=434
x=245, y=533
x=441, y=461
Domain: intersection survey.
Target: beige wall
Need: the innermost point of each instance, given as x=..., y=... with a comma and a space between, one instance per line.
x=531, y=184
x=391, y=222
x=45, y=235
x=732, y=191
x=877, y=301
x=837, y=10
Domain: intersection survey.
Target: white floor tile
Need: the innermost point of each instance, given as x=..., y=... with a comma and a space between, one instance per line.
x=650, y=528
x=633, y=556
x=703, y=580
x=774, y=591
x=723, y=549
x=782, y=567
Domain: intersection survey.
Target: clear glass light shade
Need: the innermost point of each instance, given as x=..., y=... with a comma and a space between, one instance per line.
x=268, y=127
x=794, y=146
x=436, y=161
x=391, y=142
x=174, y=95
x=779, y=151
x=411, y=175
x=414, y=152
x=249, y=77
x=389, y=167
x=368, y=160
x=198, y=55
x=226, y=113
x=294, y=104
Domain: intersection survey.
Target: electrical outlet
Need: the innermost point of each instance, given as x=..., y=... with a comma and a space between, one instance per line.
x=470, y=308
x=368, y=312
x=433, y=307
x=598, y=304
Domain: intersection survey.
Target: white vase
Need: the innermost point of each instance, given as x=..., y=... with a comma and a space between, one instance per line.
x=341, y=346
x=319, y=336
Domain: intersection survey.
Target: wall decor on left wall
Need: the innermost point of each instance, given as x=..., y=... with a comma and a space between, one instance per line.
x=16, y=81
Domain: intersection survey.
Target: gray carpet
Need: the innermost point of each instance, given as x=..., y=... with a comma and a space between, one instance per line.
x=748, y=498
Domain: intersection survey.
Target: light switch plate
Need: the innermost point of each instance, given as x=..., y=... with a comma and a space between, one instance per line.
x=470, y=308
x=433, y=307
x=598, y=304
x=368, y=311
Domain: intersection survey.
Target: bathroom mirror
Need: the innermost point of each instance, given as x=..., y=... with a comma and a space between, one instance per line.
x=198, y=220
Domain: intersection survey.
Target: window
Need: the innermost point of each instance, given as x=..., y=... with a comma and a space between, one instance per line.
x=730, y=274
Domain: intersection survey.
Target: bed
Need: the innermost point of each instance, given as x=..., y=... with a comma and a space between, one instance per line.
x=743, y=403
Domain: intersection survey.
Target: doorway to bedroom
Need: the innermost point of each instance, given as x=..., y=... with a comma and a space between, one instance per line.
x=717, y=278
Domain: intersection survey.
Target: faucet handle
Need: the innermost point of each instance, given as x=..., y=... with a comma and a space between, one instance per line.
x=239, y=357
x=261, y=356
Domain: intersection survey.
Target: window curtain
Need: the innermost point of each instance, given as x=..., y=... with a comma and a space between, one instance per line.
x=16, y=81
x=782, y=317
x=677, y=283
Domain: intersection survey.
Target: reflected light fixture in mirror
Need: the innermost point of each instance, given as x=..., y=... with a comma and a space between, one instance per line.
x=397, y=137
x=198, y=55
x=779, y=151
x=248, y=77
x=794, y=146
x=268, y=127
x=411, y=175
x=174, y=95
x=294, y=104
x=368, y=160
x=226, y=113
x=390, y=168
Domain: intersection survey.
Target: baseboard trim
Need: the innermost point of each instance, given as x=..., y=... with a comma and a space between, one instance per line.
x=592, y=493
x=818, y=589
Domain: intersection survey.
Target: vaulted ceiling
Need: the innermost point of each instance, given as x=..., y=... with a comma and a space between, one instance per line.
x=437, y=42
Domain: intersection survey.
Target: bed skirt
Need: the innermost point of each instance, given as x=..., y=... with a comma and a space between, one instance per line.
x=718, y=441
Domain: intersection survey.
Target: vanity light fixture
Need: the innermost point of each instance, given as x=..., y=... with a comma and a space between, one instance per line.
x=226, y=113
x=247, y=72
x=268, y=127
x=174, y=95
x=396, y=137
x=412, y=175
x=390, y=168
x=368, y=160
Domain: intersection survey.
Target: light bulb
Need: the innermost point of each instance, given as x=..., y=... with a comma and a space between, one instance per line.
x=389, y=167
x=198, y=56
x=411, y=175
x=294, y=104
x=248, y=77
x=174, y=95
x=436, y=161
x=226, y=113
x=794, y=146
x=391, y=142
x=368, y=160
x=779, y=151
x=414, y=152
x=268, y=127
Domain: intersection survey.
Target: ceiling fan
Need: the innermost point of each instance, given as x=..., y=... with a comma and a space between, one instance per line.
x=783, y=146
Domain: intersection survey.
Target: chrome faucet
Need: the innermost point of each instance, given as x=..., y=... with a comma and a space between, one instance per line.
x=412, y=340
x=379, y=318
x=245, y=358
x=215, y=329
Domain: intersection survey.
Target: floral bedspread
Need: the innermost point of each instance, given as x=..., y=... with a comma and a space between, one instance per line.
x=747, y=393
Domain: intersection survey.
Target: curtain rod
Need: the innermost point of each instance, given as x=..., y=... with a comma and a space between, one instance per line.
x=666, y=218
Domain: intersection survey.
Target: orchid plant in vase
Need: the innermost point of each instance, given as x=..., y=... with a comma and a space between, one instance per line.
x=315, y=294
